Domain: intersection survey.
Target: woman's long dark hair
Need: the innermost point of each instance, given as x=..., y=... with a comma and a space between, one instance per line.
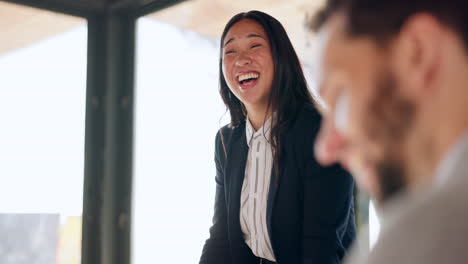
x=289, y=90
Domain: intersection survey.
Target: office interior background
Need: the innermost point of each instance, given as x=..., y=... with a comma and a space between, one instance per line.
x=109, y=111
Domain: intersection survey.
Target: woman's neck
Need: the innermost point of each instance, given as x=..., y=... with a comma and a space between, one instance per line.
x=258, y=117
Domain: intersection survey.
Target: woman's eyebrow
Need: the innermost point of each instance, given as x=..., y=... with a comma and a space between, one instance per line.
x=227, y=42
x=252, y=35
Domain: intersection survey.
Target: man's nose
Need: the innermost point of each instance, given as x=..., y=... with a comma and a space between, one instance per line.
x=329, y=144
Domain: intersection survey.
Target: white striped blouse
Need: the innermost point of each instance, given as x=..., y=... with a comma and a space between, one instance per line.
x=255, y=190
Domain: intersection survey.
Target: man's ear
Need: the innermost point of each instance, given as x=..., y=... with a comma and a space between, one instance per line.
x=416, y=54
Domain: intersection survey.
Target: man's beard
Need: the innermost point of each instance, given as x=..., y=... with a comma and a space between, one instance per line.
x=391, y=117
x=391, y=178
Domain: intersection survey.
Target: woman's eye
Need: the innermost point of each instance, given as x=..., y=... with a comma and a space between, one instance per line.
x=229, y=52
x=256, y=45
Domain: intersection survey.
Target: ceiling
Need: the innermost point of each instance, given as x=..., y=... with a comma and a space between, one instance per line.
x=75, y=7
x=22, y=25
x=209, y=17
x=24, y=22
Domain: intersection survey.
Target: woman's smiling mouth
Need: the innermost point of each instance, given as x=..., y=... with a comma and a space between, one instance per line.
x=248, y=79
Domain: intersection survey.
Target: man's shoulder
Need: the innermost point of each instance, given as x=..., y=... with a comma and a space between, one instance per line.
x=431, y=229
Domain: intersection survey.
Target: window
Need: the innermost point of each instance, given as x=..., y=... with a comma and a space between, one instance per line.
x=178, y=109
x=42, y=114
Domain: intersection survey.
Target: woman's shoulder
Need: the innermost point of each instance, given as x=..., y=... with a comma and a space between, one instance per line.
x=227, y=132
x=224, y=138
x=307, y=118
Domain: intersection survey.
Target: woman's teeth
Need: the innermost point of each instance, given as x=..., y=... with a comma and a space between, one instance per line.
x=248, y=76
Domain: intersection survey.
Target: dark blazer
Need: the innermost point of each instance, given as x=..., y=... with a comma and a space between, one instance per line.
x=310, y=212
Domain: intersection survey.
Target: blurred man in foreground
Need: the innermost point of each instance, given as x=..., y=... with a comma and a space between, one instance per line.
x=394, y=79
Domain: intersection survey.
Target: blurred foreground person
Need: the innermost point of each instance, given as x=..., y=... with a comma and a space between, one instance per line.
x=394, y=79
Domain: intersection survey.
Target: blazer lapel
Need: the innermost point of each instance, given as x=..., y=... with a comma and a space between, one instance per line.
x=274, y=186
x=270, y=202
x=236, y=163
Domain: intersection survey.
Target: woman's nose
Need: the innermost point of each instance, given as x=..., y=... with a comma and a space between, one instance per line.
x=243, y=59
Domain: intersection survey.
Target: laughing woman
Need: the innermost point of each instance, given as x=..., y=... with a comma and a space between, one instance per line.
x=274, y=203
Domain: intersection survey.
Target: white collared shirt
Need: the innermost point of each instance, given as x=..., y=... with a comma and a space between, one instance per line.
x=255, y=189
